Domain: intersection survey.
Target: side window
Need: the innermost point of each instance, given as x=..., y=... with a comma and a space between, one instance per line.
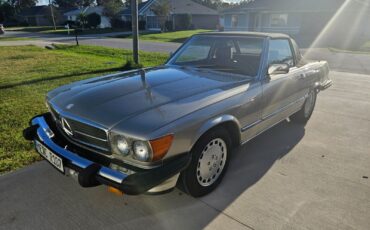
x=280, y=52
x=298, y=55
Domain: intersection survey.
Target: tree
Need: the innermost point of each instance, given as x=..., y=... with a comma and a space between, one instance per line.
x=82, y=19
x=111, y=8
x=20, y=4
x=6, y=11
x=74, y=3
x=93, y=20
x=214, y=4
x=161, y=8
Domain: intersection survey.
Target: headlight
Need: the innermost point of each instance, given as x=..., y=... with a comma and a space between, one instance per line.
x=142, y=151
x=121, y=145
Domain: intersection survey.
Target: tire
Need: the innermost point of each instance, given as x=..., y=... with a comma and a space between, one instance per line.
x=304, y=114
x=210, y=159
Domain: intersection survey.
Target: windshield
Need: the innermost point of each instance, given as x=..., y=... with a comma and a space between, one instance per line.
x=240, y=55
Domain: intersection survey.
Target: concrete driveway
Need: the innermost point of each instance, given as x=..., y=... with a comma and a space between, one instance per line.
x=291, y=177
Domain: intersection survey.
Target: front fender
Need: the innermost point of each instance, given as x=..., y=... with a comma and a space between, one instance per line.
x=212, y=123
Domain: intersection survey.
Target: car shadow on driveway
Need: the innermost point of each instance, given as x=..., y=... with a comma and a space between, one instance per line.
x=252, y=160
x=39, y=197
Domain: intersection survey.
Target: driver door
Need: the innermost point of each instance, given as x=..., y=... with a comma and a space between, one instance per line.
x=278, y=90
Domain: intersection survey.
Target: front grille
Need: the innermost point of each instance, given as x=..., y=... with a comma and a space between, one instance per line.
x=87, y=129
x=88, y=135
x=82, y=133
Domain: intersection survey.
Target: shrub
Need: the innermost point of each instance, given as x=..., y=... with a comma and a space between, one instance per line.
x=93, y=20
x=117, y=23
x=142, y=25
x=131, y=65
x=168, y=25
x=183, y=22
x=24, y=23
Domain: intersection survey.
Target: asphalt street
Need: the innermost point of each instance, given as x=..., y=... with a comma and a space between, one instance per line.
x=290, y=177
x=40, y=39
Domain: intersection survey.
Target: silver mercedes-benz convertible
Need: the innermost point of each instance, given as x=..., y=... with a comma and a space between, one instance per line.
x=150, y=129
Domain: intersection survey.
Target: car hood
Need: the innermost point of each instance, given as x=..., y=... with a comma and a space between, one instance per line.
x=160, y=94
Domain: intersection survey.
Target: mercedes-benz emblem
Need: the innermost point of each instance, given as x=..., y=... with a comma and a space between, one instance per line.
x=66, y=127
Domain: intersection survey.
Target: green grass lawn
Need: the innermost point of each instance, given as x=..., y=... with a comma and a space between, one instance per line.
x=177, y=36
x=32, y=28
x=28, y=73
x=63, y=31
x=366, y=46
x=14, y=39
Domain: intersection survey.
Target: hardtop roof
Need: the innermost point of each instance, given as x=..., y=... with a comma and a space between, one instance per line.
x=249, y=34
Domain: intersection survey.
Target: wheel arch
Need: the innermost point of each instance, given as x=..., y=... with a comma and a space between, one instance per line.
x=229, y=122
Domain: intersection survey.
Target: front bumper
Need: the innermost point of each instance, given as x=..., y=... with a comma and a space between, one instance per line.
x=91, y=173
x=326, y=84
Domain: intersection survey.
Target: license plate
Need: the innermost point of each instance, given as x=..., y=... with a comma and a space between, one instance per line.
x=50, y=156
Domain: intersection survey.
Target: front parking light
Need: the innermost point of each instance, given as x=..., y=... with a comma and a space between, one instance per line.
x=161, y=146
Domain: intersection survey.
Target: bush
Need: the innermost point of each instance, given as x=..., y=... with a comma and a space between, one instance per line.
x=24, y=23
x=117, y=23
x=142, y=25
x=93, y=20
x=131, y=65
x=168, y=25
x=183, y=22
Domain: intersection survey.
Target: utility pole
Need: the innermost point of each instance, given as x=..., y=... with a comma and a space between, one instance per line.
x=52, y=14
x=135, y=31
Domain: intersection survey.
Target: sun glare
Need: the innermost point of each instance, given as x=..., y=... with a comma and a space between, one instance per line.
x=336, y=22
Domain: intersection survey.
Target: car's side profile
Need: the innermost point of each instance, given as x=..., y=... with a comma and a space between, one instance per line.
x=150, y=129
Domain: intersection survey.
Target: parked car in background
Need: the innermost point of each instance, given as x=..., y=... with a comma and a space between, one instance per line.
x=2, y=30
x=147, y=130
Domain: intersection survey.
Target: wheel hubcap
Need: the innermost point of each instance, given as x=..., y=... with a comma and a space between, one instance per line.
x=309, y=104
x=211, y=162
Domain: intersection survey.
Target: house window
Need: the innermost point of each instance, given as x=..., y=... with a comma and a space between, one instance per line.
x=278, y=20
x=234, y=21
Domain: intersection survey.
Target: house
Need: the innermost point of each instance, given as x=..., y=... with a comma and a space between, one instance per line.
x=73, y=15
x=36, y=16
x=201, y=17
x=305, y=20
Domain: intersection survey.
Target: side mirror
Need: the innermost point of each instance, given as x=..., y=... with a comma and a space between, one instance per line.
x=276, y=69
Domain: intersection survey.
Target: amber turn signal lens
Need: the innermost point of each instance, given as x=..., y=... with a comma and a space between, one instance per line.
x=161, y=146
x=115, y=191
